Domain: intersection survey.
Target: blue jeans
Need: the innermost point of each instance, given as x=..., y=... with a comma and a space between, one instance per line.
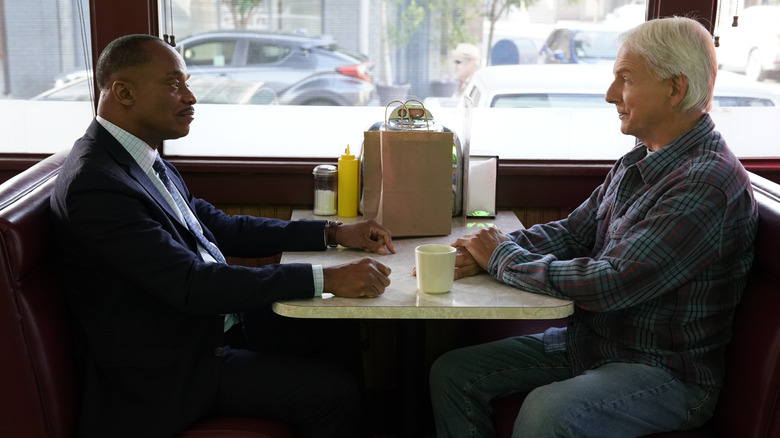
x=614, y=400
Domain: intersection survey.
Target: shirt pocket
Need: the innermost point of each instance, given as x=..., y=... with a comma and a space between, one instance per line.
x=617, y=228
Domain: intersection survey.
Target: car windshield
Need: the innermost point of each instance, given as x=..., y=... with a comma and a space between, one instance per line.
x=740, y=101
x=591, y=44
x=216, y=53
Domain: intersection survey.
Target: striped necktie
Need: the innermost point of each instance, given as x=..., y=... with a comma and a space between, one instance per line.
x=189, y=217
x=186, y=212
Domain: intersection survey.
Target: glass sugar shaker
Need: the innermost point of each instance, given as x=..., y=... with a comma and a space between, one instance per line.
x=325, y=190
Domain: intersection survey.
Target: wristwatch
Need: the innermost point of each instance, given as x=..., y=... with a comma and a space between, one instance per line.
x=330, y=233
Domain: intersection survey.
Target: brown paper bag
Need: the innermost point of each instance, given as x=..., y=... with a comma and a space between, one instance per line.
x=407, y=181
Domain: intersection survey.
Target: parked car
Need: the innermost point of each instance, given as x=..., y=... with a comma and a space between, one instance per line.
x=207, y=90
x=301, y=70
x=581, y=43
x=734, y=90
x=539, y=86
x=753, y=47
x=520, y=50
x=584, y=86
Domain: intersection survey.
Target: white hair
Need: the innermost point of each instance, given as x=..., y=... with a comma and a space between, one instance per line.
x=677, y=46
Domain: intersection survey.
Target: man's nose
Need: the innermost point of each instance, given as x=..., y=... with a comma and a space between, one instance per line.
x=610, y=95
x=189, y=96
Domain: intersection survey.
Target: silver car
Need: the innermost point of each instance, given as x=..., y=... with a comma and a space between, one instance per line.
x=581, y=43
x=301, y=70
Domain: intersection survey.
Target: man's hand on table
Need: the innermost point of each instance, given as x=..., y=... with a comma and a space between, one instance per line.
x=367, y=235
x=474, y=251
x=465, y=265
x=363, y=278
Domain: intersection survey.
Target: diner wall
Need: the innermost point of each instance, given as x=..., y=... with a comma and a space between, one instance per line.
x=521, y=183
x=249, y=181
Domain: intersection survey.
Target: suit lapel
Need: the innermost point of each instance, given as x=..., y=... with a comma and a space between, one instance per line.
x=132, y=168
x=143, y=179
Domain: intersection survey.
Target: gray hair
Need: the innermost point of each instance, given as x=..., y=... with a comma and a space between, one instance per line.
x=676, y=46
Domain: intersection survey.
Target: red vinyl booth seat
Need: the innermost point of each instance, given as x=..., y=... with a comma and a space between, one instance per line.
x=749, y=406
x=38, y=391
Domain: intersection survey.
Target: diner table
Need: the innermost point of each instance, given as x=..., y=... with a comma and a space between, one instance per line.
x=475, y=297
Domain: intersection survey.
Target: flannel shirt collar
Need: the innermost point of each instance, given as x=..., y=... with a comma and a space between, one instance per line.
x=657, y=165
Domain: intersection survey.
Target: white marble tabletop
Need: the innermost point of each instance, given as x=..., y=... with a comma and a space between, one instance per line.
x=477, y=297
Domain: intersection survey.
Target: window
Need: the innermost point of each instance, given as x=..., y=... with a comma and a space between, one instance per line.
x=211, y=53
x=413, y=47
x=590, y=45
x=353, y=57
x=322, y=71
x=44, y=45
x=264, y=53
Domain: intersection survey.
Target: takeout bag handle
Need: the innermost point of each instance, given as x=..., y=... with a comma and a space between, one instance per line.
x=406, y=113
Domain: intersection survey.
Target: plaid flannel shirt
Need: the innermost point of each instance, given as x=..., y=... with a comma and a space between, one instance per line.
x=656, y=259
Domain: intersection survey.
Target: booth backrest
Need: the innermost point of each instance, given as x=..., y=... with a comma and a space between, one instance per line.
x=749, y=406
x=38, y=396
x=38, y=385
x=750, y=403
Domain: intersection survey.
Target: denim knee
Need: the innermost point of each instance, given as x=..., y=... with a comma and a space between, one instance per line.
x=443, y=371
x=543, y=414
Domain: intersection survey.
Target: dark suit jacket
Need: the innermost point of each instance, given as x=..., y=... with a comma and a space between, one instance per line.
x=147, y=309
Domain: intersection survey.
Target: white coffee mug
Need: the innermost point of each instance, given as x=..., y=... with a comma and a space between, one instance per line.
x=435, y=268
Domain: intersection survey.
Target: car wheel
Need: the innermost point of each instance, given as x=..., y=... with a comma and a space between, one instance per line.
x=753, y=68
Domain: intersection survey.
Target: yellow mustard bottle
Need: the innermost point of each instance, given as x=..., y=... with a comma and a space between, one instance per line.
x=348, y=185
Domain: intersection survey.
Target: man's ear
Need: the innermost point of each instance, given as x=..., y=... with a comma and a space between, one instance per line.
x=679, y=89
x=123, y=92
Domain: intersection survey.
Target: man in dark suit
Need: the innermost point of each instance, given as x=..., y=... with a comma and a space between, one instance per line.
x=149, y=291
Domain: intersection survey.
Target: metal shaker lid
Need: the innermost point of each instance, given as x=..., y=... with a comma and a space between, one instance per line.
x=325, y=170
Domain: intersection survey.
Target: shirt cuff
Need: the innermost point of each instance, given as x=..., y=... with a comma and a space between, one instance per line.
x=319, y=279
x=501, y=256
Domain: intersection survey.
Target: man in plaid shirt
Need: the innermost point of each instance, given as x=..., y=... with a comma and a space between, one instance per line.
x=655, y=261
